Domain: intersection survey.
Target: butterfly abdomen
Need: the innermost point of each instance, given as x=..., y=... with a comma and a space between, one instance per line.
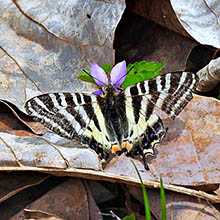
x=113, y=118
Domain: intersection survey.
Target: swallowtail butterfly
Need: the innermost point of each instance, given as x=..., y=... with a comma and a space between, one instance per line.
x=116, y=123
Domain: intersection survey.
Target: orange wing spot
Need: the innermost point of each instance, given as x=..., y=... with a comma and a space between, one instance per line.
x=115, y=148
x=124, y=144
x=127, y=145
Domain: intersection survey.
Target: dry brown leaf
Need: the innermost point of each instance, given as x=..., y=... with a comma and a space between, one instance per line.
x=189, y=155
x=43, y=49
x=160, y=12
x=194, y=19
x=12, y=183
x=218, y=191
x=200, y=19
x=209, y=76
x=199, y=57
x=157, y=44
x=12, y=121
x=100, y=192
x=27, y=152
x=94, y=212
x=68, y=201
x=192, y=152
x=39, y=215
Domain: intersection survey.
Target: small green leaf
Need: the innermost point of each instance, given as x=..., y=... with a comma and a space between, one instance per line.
x=107, y=68
x=146, y=201
x=86, y=77
x=162, y=200
x=129, y=217
x=140, y=71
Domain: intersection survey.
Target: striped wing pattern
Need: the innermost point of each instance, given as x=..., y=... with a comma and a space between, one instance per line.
x=128, y=117
x=73, y=116
x=170, y=92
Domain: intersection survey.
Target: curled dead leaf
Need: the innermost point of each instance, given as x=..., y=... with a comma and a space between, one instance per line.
x=67, y=201
x=209, y=76
x=200, y=19
x=39, y=215
x=14, y=121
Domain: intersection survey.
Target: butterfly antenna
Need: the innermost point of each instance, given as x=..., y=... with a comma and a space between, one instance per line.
x=93, y=77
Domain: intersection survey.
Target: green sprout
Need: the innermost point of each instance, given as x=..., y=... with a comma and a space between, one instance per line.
x=146, y=201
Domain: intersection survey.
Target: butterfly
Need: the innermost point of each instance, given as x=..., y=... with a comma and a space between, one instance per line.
x=113, y=120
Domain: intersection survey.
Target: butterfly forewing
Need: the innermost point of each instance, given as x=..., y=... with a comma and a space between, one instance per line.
x=170, y=92
x=71, y=115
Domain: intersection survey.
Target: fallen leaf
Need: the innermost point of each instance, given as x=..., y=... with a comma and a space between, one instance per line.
x=200, y=19
x=94, y=212
x=190, y=152
x=181, y=157
x=157, y=44
x=160, y=12
x=39, y=215
x=68, y=201
x=13, y=121
x=209, y=76
x=44, y=50
x=12, y=183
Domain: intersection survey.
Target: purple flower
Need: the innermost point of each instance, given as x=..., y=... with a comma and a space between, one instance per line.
x=117, y=76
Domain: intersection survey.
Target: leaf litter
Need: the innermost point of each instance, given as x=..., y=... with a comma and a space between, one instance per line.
x=54, y=155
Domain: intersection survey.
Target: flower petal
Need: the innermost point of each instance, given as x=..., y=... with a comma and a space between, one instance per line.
x=118, y=74
x=99, y=75
x=98, y=92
